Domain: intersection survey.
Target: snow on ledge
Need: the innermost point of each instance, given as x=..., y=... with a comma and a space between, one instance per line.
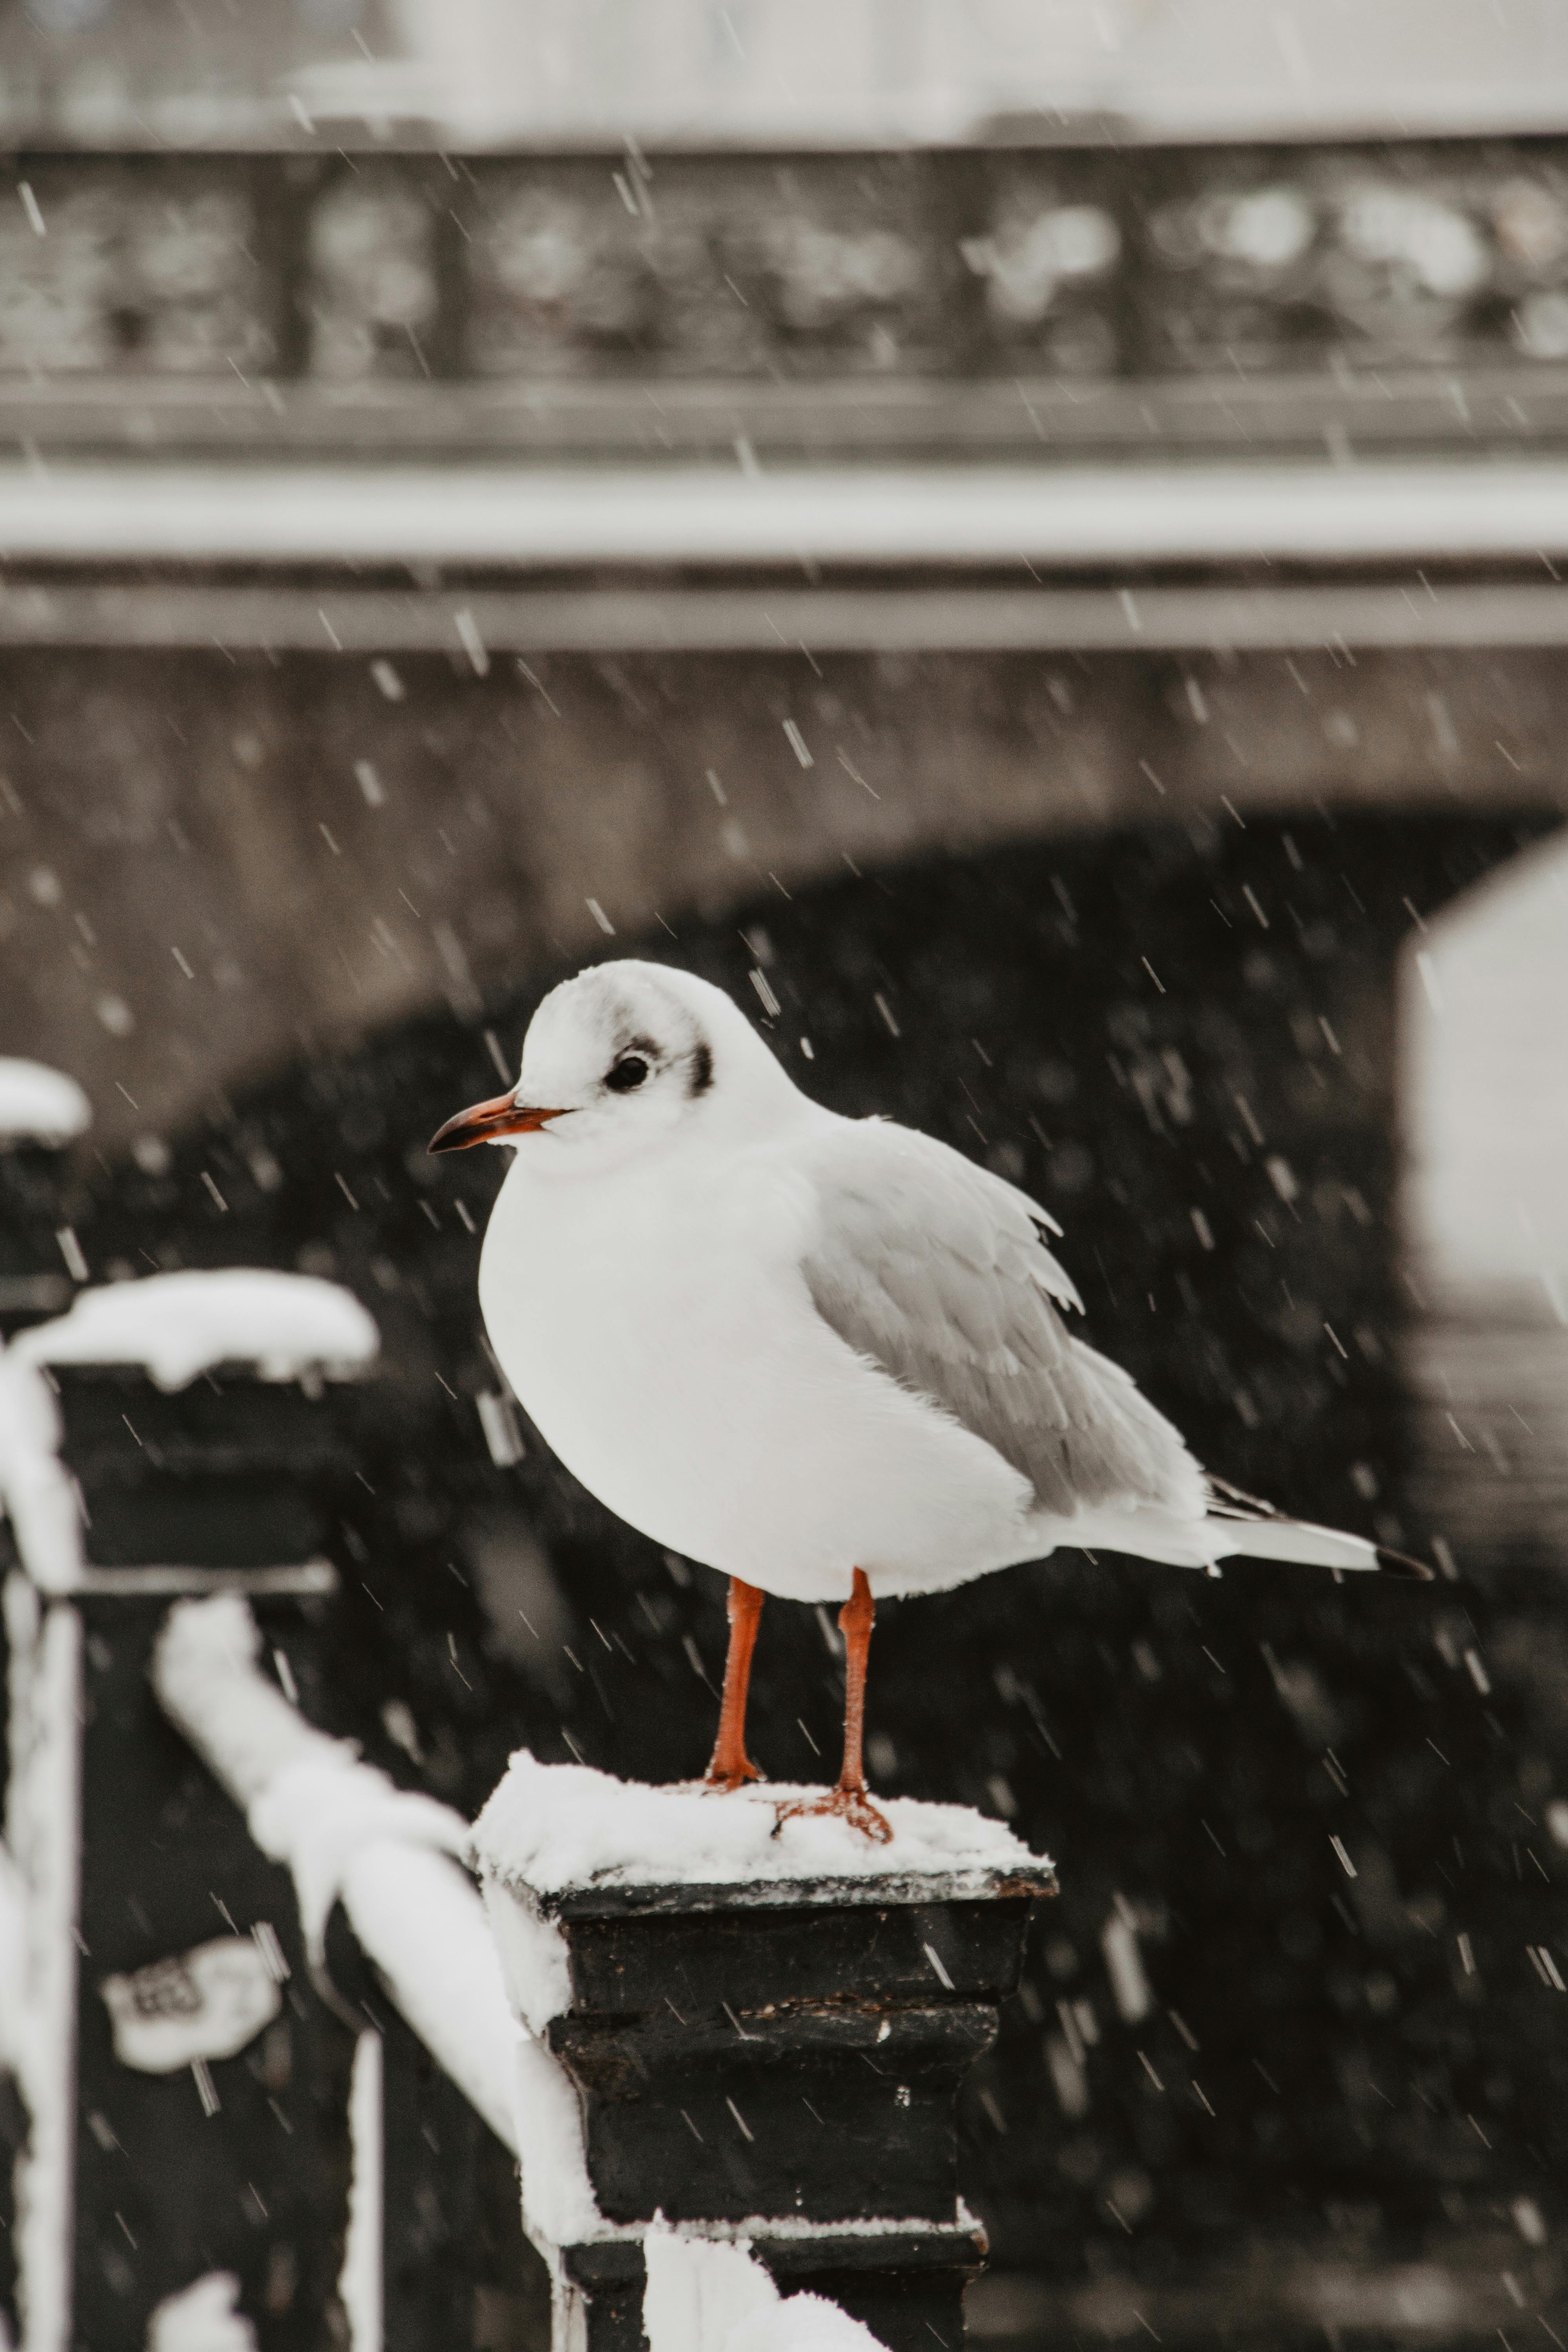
x=202, y=2318
x=551, y=1831
x=38, y=1105
x=706, y=2296
x=178, y=1325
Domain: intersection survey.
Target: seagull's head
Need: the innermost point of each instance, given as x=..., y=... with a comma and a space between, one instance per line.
x=621, y=1058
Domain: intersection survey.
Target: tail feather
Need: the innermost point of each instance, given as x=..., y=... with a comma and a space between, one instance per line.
x=1271, y=1537
x=1293, y=1540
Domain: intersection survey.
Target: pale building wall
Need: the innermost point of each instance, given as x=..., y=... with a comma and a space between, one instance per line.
x=804, y=71
x=790, y=73
x=1486, y=1081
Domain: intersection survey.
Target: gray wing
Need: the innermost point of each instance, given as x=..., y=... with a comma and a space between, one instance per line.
x=938, y=1272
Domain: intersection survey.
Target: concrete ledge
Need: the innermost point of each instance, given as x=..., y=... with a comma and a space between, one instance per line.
x=502, y=514
x=173, y=616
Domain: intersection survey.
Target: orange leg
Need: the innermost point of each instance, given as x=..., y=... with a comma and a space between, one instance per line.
x=850, y=1799
x=731, y=1766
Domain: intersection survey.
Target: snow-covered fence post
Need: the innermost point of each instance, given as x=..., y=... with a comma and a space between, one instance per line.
x=41, y=1111
x=753, y=2029
x=187, y=2092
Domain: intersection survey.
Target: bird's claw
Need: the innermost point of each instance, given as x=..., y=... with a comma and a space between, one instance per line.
x=723, y=1780
x=850, y=1805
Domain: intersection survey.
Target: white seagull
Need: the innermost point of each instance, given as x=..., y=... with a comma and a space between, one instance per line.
x=826, y=1356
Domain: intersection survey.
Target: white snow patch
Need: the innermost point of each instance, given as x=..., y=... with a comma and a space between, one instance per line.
x=35, y=1492
x=43, y=1828
x=13, y=1961
x=177, y=1325
x=210, y=2002
x=756, y=2227
x=706, y=2294
x=38, y=1105
x=559, y=2207
x=359, y=2282
x=550, y=1828
x=534, y=1956
x=201, y=2318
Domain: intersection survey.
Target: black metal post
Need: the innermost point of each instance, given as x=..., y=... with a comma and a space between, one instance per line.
x=35, y=1282
x=779, y=2061
x=239, y=2160
x=190, y=2104
x=40, y=1257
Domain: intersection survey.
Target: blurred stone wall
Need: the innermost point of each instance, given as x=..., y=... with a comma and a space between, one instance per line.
x=1076, y=262
x=213, y=868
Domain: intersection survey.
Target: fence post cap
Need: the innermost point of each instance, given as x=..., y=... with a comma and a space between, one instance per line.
x=176, y=1326
x=39, y=1104
x=574, y=1841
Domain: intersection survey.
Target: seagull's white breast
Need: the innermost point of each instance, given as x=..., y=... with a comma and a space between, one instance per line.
x=657, y=1329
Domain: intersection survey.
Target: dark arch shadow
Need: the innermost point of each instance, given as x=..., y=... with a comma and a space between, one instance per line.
x=1184, y=1042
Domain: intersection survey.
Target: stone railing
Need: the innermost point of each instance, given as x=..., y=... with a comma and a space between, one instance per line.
x=245, y=279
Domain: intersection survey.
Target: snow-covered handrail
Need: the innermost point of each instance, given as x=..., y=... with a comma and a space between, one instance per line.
x=346, y=1832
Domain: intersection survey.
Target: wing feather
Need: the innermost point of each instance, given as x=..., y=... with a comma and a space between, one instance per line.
x=938, y=1272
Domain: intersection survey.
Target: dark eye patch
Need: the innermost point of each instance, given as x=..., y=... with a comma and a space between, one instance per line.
x=626, y=1075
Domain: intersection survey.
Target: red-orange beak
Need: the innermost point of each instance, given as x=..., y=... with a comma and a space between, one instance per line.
x=486, y=1122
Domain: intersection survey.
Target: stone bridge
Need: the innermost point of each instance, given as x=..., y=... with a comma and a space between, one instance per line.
x=1050, y=626
x=407, y=557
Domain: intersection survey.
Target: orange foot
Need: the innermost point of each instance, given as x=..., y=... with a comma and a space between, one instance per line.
x=850, y=1804
x=734, y=1773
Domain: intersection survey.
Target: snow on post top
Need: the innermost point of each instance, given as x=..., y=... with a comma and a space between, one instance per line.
x=178, y=1325
x=38, y=1105
x=554, y=1831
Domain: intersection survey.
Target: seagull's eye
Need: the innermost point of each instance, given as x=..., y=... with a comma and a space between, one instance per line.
x=629, y=1073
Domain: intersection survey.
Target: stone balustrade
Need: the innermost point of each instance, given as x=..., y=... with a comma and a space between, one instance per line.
x=1076, y=264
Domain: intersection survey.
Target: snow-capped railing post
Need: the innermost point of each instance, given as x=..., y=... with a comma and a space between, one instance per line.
x=748, y=2029
x=187, y=2091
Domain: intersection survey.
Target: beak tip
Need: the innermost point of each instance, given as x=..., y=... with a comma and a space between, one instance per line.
x=495, y=1121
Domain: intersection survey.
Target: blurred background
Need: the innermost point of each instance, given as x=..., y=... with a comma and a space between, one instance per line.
x=1025, y=540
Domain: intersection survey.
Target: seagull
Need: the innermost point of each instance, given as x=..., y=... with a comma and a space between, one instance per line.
x=827, y=1357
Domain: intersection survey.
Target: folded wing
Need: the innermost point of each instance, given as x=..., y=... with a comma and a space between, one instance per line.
x=938, y=1272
